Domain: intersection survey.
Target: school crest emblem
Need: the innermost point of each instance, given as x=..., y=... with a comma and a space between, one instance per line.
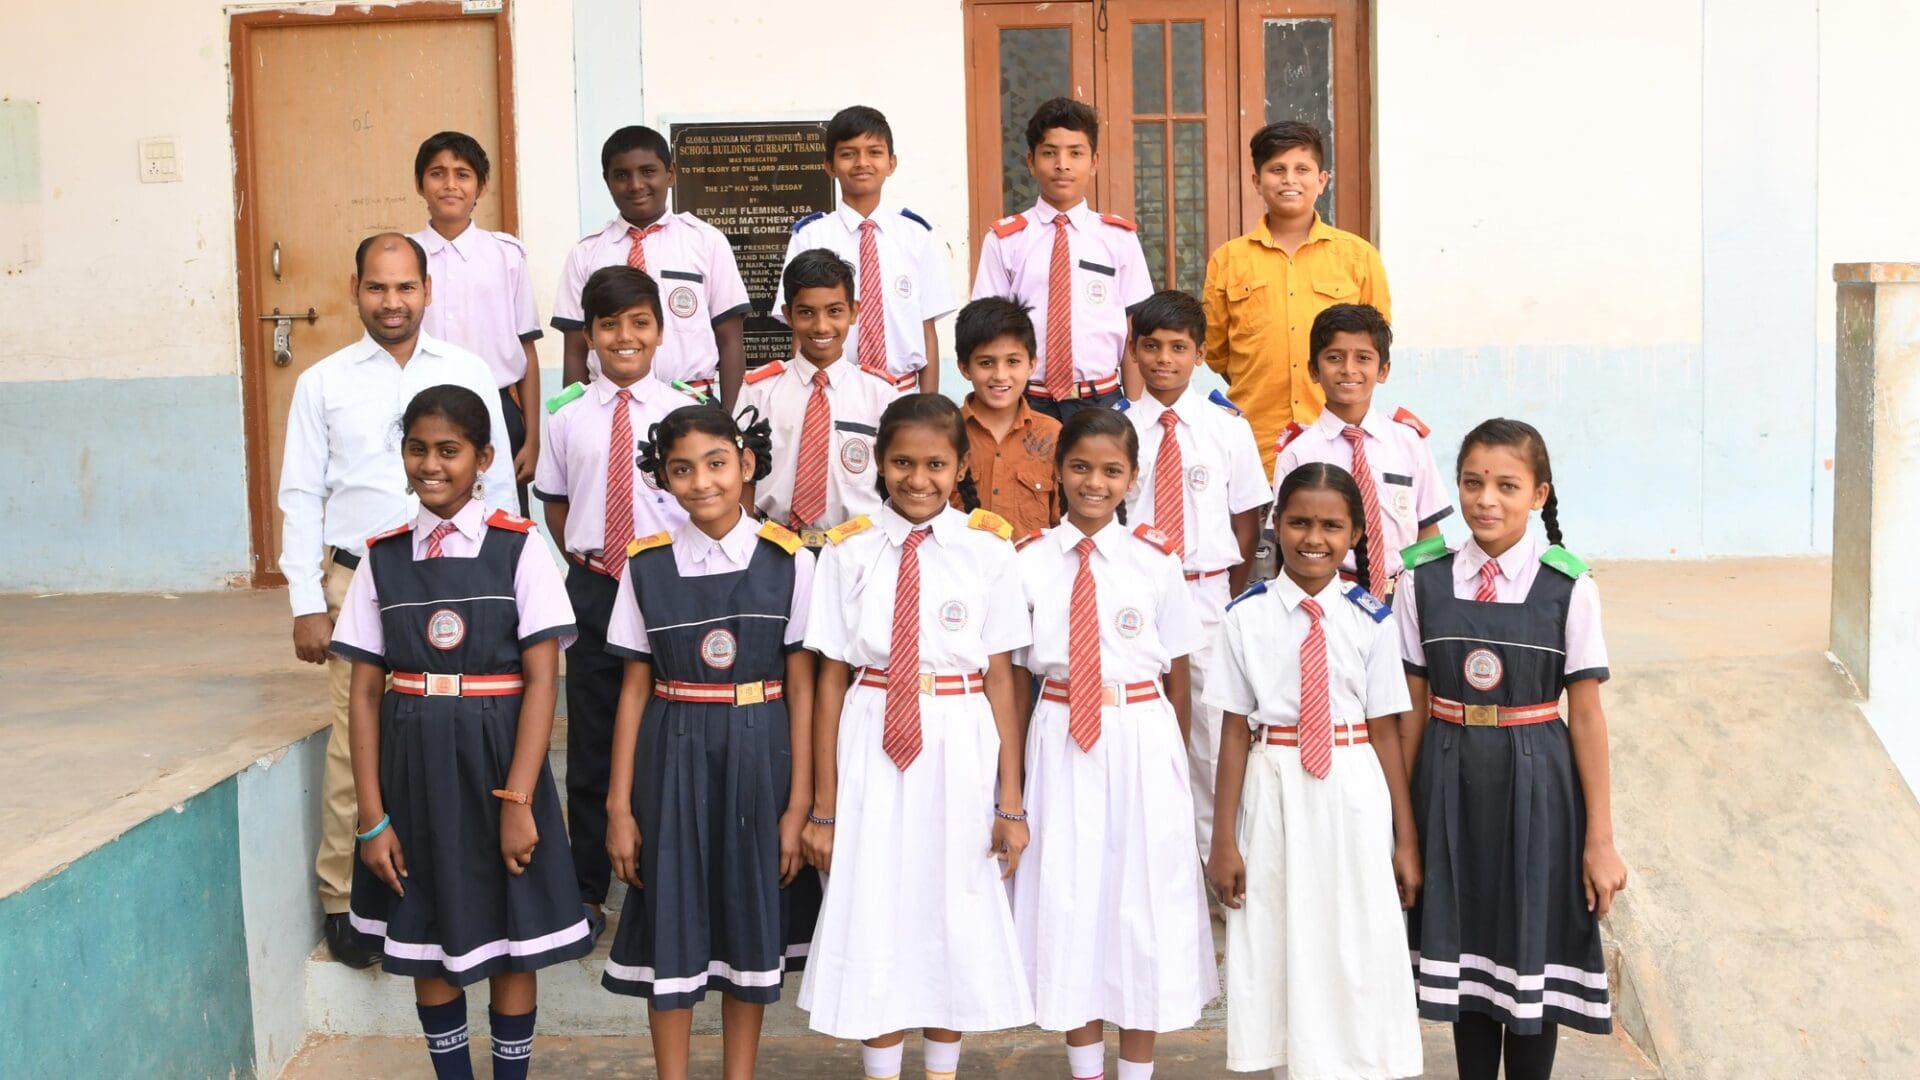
x=1198, y=478
x=446, y=629
x=719, y=649
x=1096, y=290
x=953, y=616
x=855, y=455
x=1129, y=622
x=1483, y=669
x=683, y=303
x=903, y=287
x=1403, y=503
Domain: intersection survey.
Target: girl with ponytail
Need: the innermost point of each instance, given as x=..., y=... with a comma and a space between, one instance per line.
x=1513, y=806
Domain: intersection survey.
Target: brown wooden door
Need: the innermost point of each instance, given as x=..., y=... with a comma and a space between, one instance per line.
x=328, y=113
x=1307, y=60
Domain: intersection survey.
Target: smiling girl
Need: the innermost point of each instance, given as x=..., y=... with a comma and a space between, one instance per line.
x=917, y=759
x=467, y=613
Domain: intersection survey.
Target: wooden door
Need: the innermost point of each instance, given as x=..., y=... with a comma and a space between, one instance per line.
x=328, y=113
x=1307, y=60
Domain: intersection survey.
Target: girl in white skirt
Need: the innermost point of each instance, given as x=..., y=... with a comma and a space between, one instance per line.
x=1109, y=903
x=1314, y=850
x=917, y=814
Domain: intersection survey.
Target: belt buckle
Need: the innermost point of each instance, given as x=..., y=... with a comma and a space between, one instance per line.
x=1110, y=694
x=926, y=682
x=749, y=693
x=443, y=685
x=1483, y=716
x=813, y=538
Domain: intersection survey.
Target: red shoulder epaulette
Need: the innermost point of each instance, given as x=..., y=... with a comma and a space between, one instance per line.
x=1021, y=544
x=1119, y=222
x=1287, y=434
x=764, y=372
x=1007, y=226
x=504, y=519
x=1155, y=537
x=389, y=534
x=1402, y=416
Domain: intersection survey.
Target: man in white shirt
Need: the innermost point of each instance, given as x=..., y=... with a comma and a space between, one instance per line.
x=341, y=482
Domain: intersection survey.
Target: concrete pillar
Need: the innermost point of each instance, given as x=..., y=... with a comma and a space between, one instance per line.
x=1875, y=629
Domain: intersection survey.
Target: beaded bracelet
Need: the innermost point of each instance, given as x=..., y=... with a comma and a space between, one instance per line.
x=818, y=820
x=1004, y=816
x=385, y=820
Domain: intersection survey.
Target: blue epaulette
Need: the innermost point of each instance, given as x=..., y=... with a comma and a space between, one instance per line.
x=1221, y=400
x=1253, y=590
x=1367, y=602
x=911, y=216
x=808, y=220
x=1121, y=404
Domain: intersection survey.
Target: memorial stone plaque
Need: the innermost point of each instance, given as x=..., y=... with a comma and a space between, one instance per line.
x=752, y=181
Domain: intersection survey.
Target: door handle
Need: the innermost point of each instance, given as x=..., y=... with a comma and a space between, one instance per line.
x=276, y=260
x=283, y=331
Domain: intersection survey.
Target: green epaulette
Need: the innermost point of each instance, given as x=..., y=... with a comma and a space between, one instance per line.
x=559, y=400
x=1564, y=561
x=1424, y=552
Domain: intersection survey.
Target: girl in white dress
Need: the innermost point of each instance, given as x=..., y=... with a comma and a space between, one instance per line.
x=1314, y=850
x=917, y=816
x=1109, y=903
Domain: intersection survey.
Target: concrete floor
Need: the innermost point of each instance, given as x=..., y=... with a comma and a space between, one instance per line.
x=1187, y=1055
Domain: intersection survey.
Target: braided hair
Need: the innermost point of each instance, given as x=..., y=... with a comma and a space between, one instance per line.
x=937, y=412
x=1321, y=476
x=1525, y=440
x=1092, y=423
x=748, y=431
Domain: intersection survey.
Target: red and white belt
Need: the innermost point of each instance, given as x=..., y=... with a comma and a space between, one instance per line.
x=972, y=682
x=1132, y=693
x=434, y=684
x=1343, y=735
x=906, y=384
x=594, y=563
x=1202, y=575
x=1454, y=712
x=703, y=386
x=1082, y=388
x=735, y=694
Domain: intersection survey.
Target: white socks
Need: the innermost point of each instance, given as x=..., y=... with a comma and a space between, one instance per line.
x=1087, y=1062
x=940, y=1058
x=882, y=1062
x=1134, y=1070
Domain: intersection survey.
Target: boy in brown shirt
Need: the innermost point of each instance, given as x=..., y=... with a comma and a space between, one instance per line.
x=1010, y=453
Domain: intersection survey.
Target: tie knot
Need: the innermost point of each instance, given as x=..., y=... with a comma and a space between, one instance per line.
x=868, y=225
x=1489, y=570
x=641, y=234
x=625, y=395
x=1312, y=608
x=1084, y=547
x=917, y=536
x=1168, y=419
x=820, y=378
x=1060, y=220
x=1352, y=433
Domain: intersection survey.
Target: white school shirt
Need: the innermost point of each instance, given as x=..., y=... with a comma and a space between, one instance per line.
x=341, y=478
x=1519, y=566
x=1147, y=616
x=482, y=298
x=575, y=444
x=970, y=601
x=699, y=283
x=695, y=554
x=539, y=593
x=1412, y=496
x=913, y=273
x=1223, y=474
x=855, y=399
x=1109, y=276
x=1256, y=658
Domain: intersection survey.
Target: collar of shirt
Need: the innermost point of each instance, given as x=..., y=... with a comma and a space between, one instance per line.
x=1291, y=594
x=1080, y=215
x=463, y=244
x=1330, y=426
x=1466, y=565
x=1022, y=416
x=801, y=370
x=617, y=228
x=423, y=345
x=1110, y=541
x=643, y=389
x=1318, y=231
x=851, y=218
x=1187, y=406
x=731, y=552
x=469, y=521
x=947, y=525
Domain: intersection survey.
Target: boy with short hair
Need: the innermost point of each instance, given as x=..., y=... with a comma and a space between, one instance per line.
x=1390, y=460
x=482, y=299
x=1078, y=272
x=901, y=270
x=1010, y=444
x=823, y=407
x=1202, y=487
x=597, y=500
x=1263, y=289
x=702, y=343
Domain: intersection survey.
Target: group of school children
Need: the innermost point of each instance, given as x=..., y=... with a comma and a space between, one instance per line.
x=961, y=710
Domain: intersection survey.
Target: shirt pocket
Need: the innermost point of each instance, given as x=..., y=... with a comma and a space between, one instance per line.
x=681, y=295
x=1249, y=314
x=1336, y=291
x=1034, y=477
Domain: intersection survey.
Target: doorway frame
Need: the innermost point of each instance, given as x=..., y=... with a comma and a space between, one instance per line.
x=241, y=27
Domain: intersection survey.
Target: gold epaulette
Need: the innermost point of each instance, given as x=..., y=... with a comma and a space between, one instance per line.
x=642, y=543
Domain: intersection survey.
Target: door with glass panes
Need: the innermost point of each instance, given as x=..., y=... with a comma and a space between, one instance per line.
x=1181, y=85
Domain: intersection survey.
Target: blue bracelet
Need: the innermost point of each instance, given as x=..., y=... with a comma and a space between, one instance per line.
x=385, y=820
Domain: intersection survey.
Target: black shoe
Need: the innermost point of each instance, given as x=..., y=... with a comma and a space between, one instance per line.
x=346, y=944
x=596, y=924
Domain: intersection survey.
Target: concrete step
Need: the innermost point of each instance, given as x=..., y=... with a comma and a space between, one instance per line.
x=1028, y=1055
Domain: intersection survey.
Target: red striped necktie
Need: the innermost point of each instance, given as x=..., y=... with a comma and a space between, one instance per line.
x=900, y=738
x=1083, y=653
x=810, y=468
x=438, y=534
x=1316, y=708
x=1485, y=593
x=1060, y=315
x=619, y=525
x=1169, y=505
x=637, y=254
x=1370, y=502
x=873, y=301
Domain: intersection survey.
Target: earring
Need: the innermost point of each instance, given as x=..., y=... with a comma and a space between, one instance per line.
x=479, y=489
x=409, y=487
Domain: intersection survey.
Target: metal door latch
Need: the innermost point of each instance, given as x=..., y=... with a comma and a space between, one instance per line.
x=283, y=333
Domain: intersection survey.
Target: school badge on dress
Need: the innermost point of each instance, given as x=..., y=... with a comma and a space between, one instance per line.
x=953, y=616
x=1482, y=669
x=446, y=629
x=1198, y=477
x=903, y=287
x=1129, y=622
x=718, y=649
x=855, y=455
x=1096, y=291
x=683, y=303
